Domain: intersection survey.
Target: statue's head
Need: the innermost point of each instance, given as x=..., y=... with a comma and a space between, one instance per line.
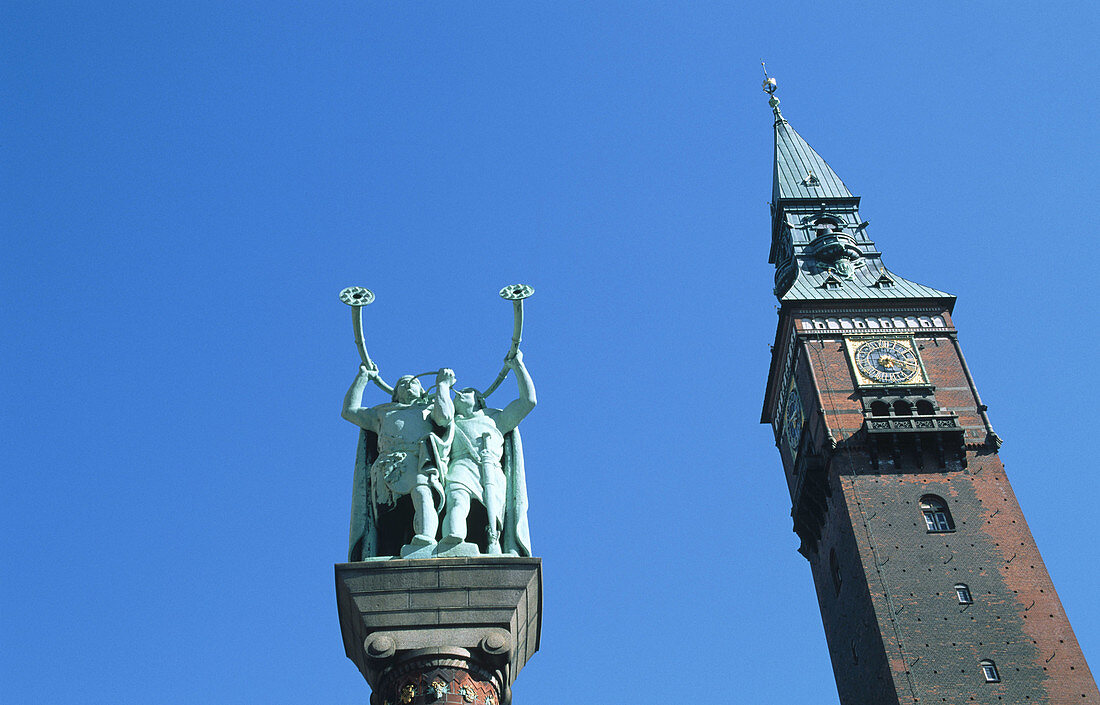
x=467, y=401
x=407, y=390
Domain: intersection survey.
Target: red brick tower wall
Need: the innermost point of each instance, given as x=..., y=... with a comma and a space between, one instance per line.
x=895, y=627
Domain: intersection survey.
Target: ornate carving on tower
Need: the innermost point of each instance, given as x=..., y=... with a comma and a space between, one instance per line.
x=784, y=262
x=830, y=249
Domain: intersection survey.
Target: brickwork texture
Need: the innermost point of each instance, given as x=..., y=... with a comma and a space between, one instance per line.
x=896, y=629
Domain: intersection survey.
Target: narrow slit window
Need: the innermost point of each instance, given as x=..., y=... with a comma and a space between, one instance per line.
x=834, y=568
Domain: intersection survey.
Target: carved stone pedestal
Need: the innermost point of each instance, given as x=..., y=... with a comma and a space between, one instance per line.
x=440, y=631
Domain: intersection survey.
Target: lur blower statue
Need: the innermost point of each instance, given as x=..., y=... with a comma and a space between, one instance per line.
x=436, y=476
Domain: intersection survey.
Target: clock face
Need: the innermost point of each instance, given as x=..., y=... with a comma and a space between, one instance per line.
x=888, y=361
x=792, y=424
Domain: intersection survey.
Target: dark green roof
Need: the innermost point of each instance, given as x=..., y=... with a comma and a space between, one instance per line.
x=809, y=266
x=866, y=283
x=800, y=172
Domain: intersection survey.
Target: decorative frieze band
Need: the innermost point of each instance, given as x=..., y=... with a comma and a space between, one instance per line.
x=871, y=322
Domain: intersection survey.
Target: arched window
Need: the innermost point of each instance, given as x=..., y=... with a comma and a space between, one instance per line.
x=902, y=408
x=925, y=408
x=989, y=670
x=963, y=593
x=834, y=569
x=936, y=514
x=880, y=408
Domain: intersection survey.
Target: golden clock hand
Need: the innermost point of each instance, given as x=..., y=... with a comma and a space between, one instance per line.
x=887, y=361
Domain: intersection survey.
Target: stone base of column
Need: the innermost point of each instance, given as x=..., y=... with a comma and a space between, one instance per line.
x=441, y=631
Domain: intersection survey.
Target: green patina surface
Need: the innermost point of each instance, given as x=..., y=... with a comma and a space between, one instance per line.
x=438, y=476
x=820, y=245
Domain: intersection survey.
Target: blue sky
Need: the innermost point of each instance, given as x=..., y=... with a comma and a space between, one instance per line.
x=187, y=187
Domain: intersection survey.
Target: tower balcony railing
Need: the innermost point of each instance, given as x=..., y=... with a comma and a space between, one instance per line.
x=938, y=423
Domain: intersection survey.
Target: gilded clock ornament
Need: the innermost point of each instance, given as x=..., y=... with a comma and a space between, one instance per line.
x=887, y=361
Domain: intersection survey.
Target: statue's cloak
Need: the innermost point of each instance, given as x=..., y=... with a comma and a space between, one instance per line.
x=516, y=536
x=363, y=535
x=363, y=538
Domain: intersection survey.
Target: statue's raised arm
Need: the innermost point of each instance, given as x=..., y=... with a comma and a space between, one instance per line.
x=353, y=401
x=515, y=412
x=443, y=410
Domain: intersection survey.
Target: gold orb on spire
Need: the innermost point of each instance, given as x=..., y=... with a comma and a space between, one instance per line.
x=769, y=82
x=769, y=88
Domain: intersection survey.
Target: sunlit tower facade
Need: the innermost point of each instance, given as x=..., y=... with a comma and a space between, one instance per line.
x=930, y=585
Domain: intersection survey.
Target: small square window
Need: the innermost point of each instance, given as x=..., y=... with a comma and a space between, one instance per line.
x=963, y=593
x=989, y=670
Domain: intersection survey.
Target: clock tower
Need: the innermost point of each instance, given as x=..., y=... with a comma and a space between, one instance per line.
x=930, y=584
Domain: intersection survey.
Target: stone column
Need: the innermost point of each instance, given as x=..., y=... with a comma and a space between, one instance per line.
x=440, y=631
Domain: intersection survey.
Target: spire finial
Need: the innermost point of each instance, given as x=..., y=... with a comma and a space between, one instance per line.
x=769, y=88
